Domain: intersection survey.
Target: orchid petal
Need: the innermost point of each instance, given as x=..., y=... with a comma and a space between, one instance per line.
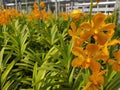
x=98, y=19
x=101, y=38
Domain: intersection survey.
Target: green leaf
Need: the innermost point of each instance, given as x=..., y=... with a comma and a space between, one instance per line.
x=35, y=72
x=71, y=77
x=53, y=50
x=6, y=72
x=38, y=75
x=114, y=83
x=1, y=58
x=7, y=85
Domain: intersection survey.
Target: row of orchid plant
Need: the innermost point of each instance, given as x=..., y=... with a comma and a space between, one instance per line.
x=76, y=51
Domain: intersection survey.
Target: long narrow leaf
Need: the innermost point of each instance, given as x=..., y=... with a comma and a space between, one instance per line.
x=6, y=72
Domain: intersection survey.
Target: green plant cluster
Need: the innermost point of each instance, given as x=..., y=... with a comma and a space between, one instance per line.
x=37, y=56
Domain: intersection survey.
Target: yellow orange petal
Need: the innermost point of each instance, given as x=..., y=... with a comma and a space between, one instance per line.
x=77, y=51
x=86, y=35
x=109, y=29
x=70, y=32
x=116, y=67
x=76, y=62
x=86, y=26
x=79, y=32
x=105, y=51
x=114, y=42
x=92, y=49
x=98, y=19
x=102, y=72
x=94, y=78
x=95, y=66
x=76, y=14
x=101, y=38
x=108, y=26
x=102, y=56
x=117, y=54
x=100, y=80
x=111, y=62
x=87, y=86
x=73, y=26
x=77, y=42
x=86, y=63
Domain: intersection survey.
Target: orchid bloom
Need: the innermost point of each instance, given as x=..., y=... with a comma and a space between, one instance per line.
x=35, y=6
x=100, y=31
x=75, y=33
x=115, y=63
x=96, y=79
x=85, y=57
x=76, y=14
x=42, y=4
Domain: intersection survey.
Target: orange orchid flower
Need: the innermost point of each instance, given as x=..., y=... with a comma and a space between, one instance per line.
x=42, y=4
x=35, y=14
x=104, y=52
x=44, y=15
x=76, y=14
x=100, y=31
x=96, y=79
x=84, y=57
x=77, y=42
x=73, y=31
x=115, y=63
x=90, y=86
x=82, y=60
x=35, y=6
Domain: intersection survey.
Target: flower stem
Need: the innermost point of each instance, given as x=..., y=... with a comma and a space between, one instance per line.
x=91, y=7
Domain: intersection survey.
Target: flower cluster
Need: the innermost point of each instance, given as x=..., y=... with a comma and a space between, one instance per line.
x=39, y=12
x=90, y=46
x=76, y=14
x=64, y=15
x=7, y=14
